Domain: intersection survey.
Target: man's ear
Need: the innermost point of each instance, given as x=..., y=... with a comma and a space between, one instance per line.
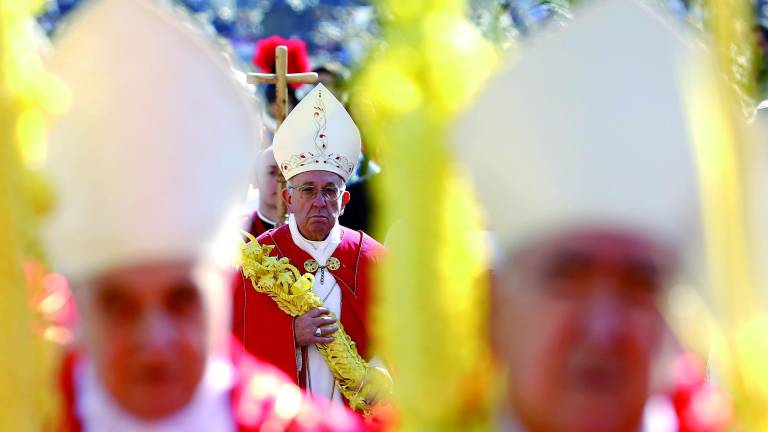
x=287, y=199
x=345, y=197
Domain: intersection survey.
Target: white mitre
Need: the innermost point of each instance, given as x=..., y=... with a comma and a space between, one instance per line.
x=590, y=128
x=156, y=151
x=318, y=134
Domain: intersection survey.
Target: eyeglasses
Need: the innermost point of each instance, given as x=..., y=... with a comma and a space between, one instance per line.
x=310, y=192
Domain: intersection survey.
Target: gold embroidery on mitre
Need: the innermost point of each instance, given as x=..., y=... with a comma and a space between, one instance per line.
x=321, y=144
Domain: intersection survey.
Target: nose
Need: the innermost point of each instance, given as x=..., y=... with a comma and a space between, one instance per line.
x=319, y=200
x=605, y=320
x=155, y=331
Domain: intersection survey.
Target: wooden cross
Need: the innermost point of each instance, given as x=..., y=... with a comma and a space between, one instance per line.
x=281, y=78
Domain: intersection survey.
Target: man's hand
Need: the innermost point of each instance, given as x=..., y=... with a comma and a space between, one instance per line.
x=305, y=326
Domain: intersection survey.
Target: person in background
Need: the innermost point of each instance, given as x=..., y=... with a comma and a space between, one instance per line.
x=265, y=215
x=590, y=186
x=148, y=166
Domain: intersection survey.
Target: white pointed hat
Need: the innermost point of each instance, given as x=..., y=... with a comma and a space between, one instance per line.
x=156, y=151
x=590, y=128
x=318, y=134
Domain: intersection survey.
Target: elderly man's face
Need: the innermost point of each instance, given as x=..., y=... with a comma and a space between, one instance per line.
x=576, y=322
x=145, y=332
x=308, y=197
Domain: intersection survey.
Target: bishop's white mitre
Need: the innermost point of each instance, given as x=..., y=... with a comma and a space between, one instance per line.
x=590, y=127
x=156, y=151
x=318, y=134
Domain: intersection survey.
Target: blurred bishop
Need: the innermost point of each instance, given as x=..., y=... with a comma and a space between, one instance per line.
x=149, y=166
x=582, y=156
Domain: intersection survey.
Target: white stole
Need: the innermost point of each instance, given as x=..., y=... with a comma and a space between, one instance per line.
x=209, y=410
x=320, y=380
x=658, y=416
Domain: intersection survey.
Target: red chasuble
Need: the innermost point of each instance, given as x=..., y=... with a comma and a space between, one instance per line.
x=267, y=332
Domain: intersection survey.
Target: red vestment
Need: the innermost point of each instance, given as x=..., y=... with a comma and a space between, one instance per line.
x=257, y=226
x=267, y=332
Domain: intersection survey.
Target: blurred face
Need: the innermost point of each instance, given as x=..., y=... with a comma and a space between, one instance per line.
x=145, y=333
x=309, y=198
x=576, y=322
x=268, y=174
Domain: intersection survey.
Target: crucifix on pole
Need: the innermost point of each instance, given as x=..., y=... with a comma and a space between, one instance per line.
x=281, y=79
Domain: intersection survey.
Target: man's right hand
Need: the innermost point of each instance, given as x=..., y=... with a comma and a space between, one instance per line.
x=304, y=327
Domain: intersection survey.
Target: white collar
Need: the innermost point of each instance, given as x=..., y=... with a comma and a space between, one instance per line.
x=209, y=409
x=264, y=218
x=320, y=250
